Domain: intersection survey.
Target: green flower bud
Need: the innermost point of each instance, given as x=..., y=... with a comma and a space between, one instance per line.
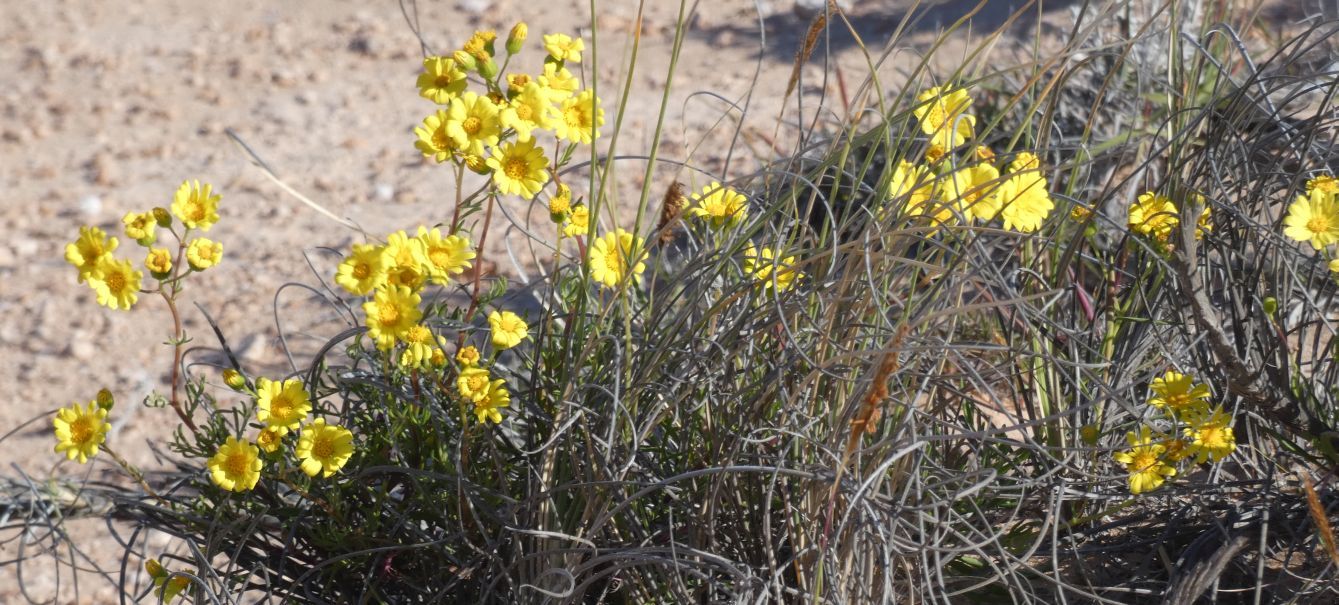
x=105, y=400
x=1089, y=433
x=516, y=38
x=156, y=571
x=465, y=60
x=1271, y=305
x=162, y=216
x=234, y=379
x=488, y=69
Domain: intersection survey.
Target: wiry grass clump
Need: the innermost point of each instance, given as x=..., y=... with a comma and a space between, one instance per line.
x=968, y=345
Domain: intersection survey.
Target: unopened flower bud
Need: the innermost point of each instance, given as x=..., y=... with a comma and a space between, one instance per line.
x=234, y=379
x=1271, y=305
x=488, y=69
x=517, y=38
x=162, y=216
x=560, y=204
x=465, y=60
x=105, y=400
x=155, y=570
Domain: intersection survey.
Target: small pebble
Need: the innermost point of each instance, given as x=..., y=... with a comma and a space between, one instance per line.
x=90, y=205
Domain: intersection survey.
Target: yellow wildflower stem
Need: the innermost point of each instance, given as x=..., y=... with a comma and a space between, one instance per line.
x=178, y=335
x=479, y=266
x=132, y=471
x=455, y=217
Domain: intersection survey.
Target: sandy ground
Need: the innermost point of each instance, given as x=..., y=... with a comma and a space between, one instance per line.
x=106, y=108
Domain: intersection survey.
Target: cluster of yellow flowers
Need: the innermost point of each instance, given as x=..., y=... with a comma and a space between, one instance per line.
x=492, y=131
x=1205, y=433
x=1155, y=216
x=721, y=208
x=474, y=383
x=117, y=282
x=1314, y=217
x=971, y=187
x=281, y=407
x=393, y=275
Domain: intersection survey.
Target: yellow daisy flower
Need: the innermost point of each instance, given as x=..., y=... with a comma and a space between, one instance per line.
x=480, y=45
x=323, y=449
x=392, y=311
x=434, y=139
x=270, y=438
x=516, y=83
x=1154, y=216
x=236, y=466
x=117, y=283
x=768, y=271
x=1324, y=183
x=489, y=408
x=282, y=405
x=563, y=47
x=444, y=257
x=473, y=122
x=942, y=114
x=141, y=227
x=508, y=329
x=196, y=205
x=419, y=343
x=1177, y=393
x=362, y=271
x=441, y=80
x=1176, y=450
x=473, y=384
x=720, y=206
x=400, y=260
x=159, y=262
x=578, y=221
x=1024, y=162
x=1026, y=202
x=80, y=430
x=519, y=168
x=87, y=251
x=558, y=81
x=1210, y=434
x=1144, y=461
x=202, y=254
x=916, y=185
x=527, y=111
x=468, y=356
x=976, y=189
x=580, y=118
x=1313, y=218
x=616, y=256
